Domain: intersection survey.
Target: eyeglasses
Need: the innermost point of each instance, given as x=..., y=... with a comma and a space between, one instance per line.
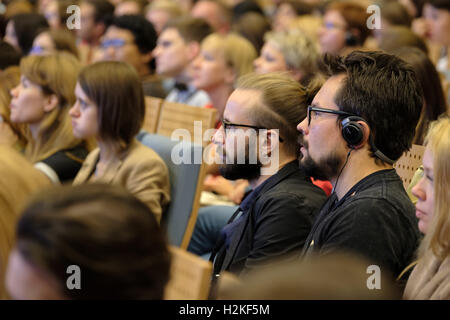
x=116, y=43
x=331, y=25
x=316, y=109
x=226, y=125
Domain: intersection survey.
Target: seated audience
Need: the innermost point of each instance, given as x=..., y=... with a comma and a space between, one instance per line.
x=41, y=101
x=52, y=40
x=19, y=180
x=88, y=242
x=110, y=108
x=276, y=217
x=344, y=28
x=131, y=39
x=347, y=138
x=178, y=45
x=22, y=29
x=430, y=279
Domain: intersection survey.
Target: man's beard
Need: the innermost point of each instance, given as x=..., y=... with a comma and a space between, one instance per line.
x=324, y=169
x=246, y=170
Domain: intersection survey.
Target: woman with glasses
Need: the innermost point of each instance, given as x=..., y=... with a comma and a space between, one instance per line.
x=41, y=102
x=49, y=41
x=110, y=108
x=430, y=278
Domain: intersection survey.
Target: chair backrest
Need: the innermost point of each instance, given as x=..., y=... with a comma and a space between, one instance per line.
x=186, y=171
x=152, y=112
x=181, y=116
x=408, y=163
x=190, y=276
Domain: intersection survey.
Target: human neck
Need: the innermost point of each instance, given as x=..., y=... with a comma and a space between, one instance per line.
x=219, y=96
x=108, y=151
x=357, y=168
x=256, y=182
x=34, y=130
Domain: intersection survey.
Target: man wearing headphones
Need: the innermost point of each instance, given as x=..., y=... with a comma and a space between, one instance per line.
x=359, y=123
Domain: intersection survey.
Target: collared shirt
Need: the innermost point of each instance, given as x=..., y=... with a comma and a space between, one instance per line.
x=191, y=96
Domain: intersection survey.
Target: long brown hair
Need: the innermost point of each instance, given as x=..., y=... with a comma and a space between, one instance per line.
x=55, y=74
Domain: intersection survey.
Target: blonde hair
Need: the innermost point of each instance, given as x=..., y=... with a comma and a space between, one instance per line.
x=19, y=180
x=9, y=79
x=237, y=51
x=165, y=5
x=299, y=52
x=55, y=74
x=437, y=238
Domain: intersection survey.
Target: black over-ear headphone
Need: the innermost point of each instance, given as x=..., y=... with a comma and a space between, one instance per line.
x=353, y=134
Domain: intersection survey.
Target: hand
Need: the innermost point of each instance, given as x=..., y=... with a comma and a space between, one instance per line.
x=238, y=191
x=7, y=135
x=218, y=184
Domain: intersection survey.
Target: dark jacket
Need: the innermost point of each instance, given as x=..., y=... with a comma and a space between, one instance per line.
x=275, y=221
x=375, y=219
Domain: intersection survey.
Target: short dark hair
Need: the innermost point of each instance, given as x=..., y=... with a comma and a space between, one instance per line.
x=109, y=234
x=9, y=56
x=117, y=91
x=384, y=90
x=26, y=26
x=143, y=31
x=190, y=29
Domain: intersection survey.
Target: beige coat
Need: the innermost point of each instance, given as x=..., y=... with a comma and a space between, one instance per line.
x=139, y=170
x=430, y=280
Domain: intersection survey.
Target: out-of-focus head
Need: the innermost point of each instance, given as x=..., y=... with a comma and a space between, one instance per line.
x=222, y=60
x=159, y=12
x=344, y=25
x=22, y=29
x=95, y=18
x=50, y=41
x=130, y=39
x=215, y=12
x=103, y=241
x=437, y=17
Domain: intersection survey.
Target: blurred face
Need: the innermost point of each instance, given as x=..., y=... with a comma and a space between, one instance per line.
x=438, y=24
x=52, y=15
x=210, y=70
x=171, y=53
x=270, y=60
x=332, y=33
x=210, y=12
x=43, y=44
x=238, y=111
x=284, y=15
x=28, y=103
x=322, y=145
x=84, y=115
x=26, y=282
x=158, y=18
x=87, y=22
x=10, y=35
x=424, y=192
x=127, y=7
x=118, y=45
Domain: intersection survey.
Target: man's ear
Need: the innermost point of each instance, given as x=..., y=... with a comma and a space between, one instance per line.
x=269, y=141
x=193, y=49
x=366, y=135
x=51, y=102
